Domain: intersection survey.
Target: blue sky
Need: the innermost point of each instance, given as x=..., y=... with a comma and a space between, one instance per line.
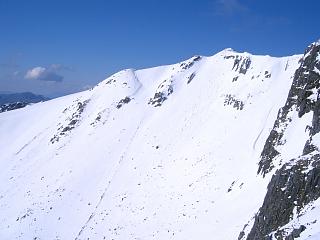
x=63, y=46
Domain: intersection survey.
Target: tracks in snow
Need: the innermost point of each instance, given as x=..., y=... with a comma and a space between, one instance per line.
x=109, y=181
x=264, y=126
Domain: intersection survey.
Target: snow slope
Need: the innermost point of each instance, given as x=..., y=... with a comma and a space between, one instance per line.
x=169, y=152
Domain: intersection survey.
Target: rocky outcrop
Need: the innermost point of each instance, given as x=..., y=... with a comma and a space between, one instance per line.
x=125, y=100
x=303, y=98
x=241, y=64
x=163, y=91
x=292, y=187
x=189, y=63
x=297, y=182
x=71, y=122
x=191, y=77
x=233, y=101
x=12, y=106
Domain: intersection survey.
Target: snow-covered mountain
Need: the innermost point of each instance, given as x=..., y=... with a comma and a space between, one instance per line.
x=194, y=150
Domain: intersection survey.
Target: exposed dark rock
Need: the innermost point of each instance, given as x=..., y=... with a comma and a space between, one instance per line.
x=236, y=63
x=235, y=79
x=296, y=232
x=12, y=106
x=241, y=64
x=296, y=184
x=73, y=121
x=309, y=147
x=191, y=77
x=158, y=99
x=196, y=58
x=235, y=103
x=267, y=74
x=97, y=119
x=111, y=81
x=123, y=101
x=163, y=91
x=245, y=65
x=242, y=233
x=229, y=57
x=231, y=186
x=188, y=64
x=303, y=98
x=165, y=88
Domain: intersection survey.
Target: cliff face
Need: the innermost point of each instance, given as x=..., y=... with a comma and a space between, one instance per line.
x=295, y=183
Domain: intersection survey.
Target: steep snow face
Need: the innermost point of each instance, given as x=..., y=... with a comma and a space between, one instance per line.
x=164, y=153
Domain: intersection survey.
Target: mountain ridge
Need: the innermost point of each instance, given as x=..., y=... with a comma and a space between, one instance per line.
x=12, y=101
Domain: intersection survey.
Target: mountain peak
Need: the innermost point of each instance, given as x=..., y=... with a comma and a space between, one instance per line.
x=231, y=52
x=227, y=51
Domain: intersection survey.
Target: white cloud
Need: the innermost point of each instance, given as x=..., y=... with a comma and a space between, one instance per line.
x=35, y=73
x=44, y=74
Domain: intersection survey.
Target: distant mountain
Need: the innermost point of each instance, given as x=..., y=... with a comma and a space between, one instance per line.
x=26, y=97
x=5, y=92
x=12, y=101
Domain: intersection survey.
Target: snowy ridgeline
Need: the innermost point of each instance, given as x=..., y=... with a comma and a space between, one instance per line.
x=170, y=152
